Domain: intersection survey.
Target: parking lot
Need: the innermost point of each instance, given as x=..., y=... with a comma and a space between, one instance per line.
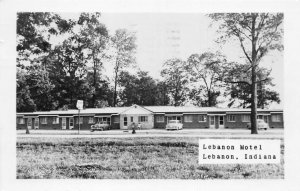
x=209, y=133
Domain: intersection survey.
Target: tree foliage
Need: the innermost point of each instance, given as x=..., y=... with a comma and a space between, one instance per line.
x=206, y=71
x=140, y=89
x=176, y=79
x=240, y=93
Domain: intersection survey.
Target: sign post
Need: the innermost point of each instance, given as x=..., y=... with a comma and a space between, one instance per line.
x=79, y=106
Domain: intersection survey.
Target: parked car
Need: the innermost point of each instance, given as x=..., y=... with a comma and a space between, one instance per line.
x=100, y=126
x=261, y=124
x=174, y=125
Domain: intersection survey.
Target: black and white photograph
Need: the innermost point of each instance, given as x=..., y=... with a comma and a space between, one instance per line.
x=102, y=95
x=110, y=96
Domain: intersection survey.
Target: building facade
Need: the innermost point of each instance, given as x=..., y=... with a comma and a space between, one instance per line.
x=148, y=117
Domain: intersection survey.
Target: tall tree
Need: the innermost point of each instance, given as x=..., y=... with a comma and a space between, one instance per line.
x=124, y=44
x=176, y=79
x=94, y=35
x=68, y=70
x=33, y=32
x=257, y=33
x=205, y=70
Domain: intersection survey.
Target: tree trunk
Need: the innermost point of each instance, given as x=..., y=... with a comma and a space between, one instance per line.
x=115, y=91
x=254, y=102
x=116, y=83
x=209, y=98
x=253, y=80
x=94, y=84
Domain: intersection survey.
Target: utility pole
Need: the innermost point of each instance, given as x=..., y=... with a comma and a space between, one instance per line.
x=78, y=121
x=79, y=106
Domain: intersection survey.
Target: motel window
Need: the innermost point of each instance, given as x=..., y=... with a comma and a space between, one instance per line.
x=245, y=118
x=174, y=118
x=21, y=120
x=43, y=120
x=104, y=119
x=91, y=120
x=55, y=120
x=276, y=118
x=188, y=118
x=259, y=117
x=231, y=118
x=81, y=120
x=202, y=118
x=143, y=118
x=160, y=119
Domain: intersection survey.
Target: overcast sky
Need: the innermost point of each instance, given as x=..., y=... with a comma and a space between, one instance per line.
x=161, y=36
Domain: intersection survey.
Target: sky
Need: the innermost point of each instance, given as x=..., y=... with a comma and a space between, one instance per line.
x=161, y=36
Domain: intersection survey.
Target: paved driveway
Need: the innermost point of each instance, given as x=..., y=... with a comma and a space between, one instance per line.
x=205, y=133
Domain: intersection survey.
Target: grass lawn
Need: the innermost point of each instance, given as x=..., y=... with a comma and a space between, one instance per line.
x=128, y=158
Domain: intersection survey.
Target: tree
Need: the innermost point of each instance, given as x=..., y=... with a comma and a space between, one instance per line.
x=162, y=97
x=241, y=92
x=34, y=30
x=138, y=89
x=129, y=85
x=176, y=79
x=124, y=50
x=94, y=35
x=147, y=89
x=40, y=87
x=28, y=36
x=25, y=103
x=67, y=68
x=205, y=70
x=257, y=33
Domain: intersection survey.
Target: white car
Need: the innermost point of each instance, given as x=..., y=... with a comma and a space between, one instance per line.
x=174, y=125
x=100, y=126
x=261, y=124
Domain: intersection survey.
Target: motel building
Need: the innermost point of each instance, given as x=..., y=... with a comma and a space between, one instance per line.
x=150, y=117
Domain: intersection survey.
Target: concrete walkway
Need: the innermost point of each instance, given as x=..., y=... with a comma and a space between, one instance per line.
x=203, y=133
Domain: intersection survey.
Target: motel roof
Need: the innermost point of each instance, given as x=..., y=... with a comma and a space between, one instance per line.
x=154, y=109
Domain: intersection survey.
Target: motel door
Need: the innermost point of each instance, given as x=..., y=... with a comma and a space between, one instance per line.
x=125, y=123
x=64, y=123
x=221, y=122
x=266, y=119
x=71, y=123
x=36, y=123
x=29, y=123
x=212, y=124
